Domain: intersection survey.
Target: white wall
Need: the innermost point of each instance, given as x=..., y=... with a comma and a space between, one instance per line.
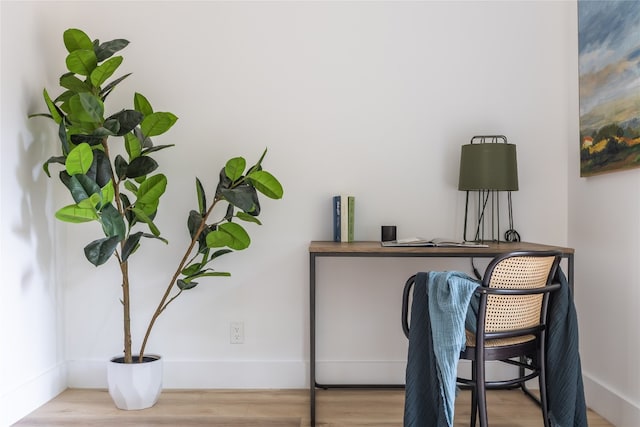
x=374, y=99
x=604, y=229
x=32, y=362
x=603, y=212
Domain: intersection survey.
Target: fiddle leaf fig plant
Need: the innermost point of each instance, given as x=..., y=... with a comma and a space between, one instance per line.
x=107, y=166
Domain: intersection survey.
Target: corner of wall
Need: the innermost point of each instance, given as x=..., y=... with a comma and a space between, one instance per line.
x=18, y=403
x=609, y=404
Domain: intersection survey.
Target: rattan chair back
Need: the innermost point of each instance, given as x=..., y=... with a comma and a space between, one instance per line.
x=507, y=312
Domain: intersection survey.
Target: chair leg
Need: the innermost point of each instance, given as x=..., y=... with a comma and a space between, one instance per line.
x=542, y=381
x=482, y=392
x=474, y=394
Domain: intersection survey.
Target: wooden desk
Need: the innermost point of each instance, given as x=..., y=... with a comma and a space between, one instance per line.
x=375, y=249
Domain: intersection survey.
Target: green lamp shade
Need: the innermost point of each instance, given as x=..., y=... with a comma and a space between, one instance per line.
x=490, y=166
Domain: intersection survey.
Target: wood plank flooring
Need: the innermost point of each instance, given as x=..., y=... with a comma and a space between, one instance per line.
x=272, y=408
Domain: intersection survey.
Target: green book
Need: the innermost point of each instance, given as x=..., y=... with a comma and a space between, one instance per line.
x=350, y=217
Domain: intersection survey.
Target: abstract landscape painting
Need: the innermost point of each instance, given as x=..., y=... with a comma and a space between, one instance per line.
x=609, y=68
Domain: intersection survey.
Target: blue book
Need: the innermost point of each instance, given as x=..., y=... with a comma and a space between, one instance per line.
x=344, y=218
x=336, y=218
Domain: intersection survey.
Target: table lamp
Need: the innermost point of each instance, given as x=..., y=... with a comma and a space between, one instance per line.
x=488, y=166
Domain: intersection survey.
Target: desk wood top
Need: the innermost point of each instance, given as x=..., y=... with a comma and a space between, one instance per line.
x=373, y=248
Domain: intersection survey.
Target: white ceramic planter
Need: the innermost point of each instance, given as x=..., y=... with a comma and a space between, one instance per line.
x=134, y=386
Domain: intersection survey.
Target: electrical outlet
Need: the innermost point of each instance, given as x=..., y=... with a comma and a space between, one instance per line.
x=236, y=331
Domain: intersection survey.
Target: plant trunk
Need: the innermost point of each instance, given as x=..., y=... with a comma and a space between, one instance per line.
x=124, y=266
x=126, y=307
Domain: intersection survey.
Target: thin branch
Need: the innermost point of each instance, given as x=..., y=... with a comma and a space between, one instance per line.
x=163, y=302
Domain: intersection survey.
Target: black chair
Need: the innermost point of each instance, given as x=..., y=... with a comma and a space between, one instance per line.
x=511, y=321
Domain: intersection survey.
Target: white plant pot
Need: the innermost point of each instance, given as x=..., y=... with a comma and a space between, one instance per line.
x=134, y=386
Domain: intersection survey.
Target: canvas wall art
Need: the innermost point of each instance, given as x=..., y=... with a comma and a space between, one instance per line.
x=609, y=69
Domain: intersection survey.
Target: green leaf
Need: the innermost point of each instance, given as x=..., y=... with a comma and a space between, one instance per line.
x=193, y=222
x=202, y=198
x=56, y=159
x=249, y=218
x=75, y=39
x=121, y=166
x=86, y=108
x=151, y=236
x=92, y=139
x=130, y=245
x=53, y=110
x=99, y=251
x=100, y=170
x=156, y=148
x=266, y=183
x=141, y=166
x=128, y=120
x=186, y=284
x=62, y=135
x=212, y=274
x=150, y=209
x=108, y=193
x=229, y=215
x=76, y=214
x=219, y=253
x=82, y=61
x=64, y=99
x=90, y=202
x=151, y=189
x=229, y=234
x=110, y=127
x=190, y=270
x=142, y=216
x=105, y=70
x=131, y=187
x=73, y=83
x=243, y=197
x=205, y=273
x=81, y=187
x=128, y=213
x=218, y=239
x=112, y=222
x=235, y=168
x=132, y=145
x=92, y=106
x=157, y=123
x=79, y=160
x=107, y=49
x=142, y=104
x=145, y=141
x=240, y=237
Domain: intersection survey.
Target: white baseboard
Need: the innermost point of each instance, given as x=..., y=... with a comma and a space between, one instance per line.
x=247, y=374
x=609, y=404
x=203, y=374
x=259, y=374
x=19, y=402
x=360, y=372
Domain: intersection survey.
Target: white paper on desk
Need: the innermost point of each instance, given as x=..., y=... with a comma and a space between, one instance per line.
x=436, y=242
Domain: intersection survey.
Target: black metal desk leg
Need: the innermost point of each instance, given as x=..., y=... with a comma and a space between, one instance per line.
x=312, y=339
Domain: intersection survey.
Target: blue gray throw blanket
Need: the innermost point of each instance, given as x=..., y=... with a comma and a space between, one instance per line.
x=427, y=401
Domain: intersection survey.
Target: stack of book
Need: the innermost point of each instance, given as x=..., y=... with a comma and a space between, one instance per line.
x=343, y=217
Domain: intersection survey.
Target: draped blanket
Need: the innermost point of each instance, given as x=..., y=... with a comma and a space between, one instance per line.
x=436, y=339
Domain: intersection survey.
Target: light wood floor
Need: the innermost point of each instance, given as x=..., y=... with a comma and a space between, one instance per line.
x=272, y=408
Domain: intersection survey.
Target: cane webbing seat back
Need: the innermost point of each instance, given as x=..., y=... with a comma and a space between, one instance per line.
x=511, y=325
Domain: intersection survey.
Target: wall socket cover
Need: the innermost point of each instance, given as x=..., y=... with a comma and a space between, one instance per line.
x=236, y=332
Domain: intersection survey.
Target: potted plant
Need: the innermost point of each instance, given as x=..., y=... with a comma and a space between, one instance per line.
x=108, y=169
